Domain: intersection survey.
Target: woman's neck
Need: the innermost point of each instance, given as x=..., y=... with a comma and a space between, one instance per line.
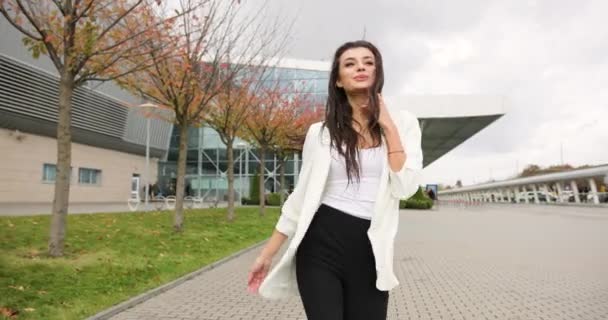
x=359, y=103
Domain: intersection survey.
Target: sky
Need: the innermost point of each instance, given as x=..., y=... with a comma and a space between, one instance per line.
x=549, y=58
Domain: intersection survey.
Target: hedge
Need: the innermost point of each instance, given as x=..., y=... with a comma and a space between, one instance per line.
x=420, y=200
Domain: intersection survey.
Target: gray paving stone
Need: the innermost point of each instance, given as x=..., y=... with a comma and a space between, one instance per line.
x=489, y=262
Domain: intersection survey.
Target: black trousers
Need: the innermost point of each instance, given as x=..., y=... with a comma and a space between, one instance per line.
x=336, y=270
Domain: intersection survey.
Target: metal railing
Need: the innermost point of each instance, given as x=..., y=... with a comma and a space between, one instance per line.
x=586, y=198
x=160, y=203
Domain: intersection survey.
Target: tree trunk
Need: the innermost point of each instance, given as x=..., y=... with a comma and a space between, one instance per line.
x=282, y=176
x=230, y=181
x=64, y=159
x=178, y=221
x=262, y=188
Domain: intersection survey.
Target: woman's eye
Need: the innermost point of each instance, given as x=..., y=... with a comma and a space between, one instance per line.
x=349, y=64
x=369, y=63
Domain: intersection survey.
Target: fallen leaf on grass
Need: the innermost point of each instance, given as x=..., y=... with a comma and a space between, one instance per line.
x=20, y=288
x=29, y=309
x=33, y=253
x=8, y=312
x=42, y=292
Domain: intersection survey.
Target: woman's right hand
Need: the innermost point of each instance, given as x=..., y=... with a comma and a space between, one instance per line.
x=257, y=273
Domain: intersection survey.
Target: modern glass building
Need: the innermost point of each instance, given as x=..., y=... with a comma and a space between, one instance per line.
x=207, y=158
x=109, y=134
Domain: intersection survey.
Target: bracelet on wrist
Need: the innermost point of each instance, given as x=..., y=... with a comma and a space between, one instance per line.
x=396, y=151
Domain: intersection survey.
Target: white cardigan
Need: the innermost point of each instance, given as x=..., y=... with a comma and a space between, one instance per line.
x=301, y=205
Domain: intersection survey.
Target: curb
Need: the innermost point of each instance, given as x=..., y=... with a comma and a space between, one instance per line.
x=116, y=309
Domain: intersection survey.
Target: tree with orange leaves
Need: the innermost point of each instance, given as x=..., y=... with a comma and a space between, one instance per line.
x=302, y=112
x=272, y=116
x=86, y=40
x=213, y=43
x=227, y=115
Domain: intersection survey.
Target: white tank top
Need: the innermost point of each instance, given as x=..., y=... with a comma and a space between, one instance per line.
x=356, y=199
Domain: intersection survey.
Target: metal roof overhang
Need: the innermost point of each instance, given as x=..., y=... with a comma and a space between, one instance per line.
x=447, y=121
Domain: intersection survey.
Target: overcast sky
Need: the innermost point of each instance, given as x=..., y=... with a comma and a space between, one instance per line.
x=550, y=58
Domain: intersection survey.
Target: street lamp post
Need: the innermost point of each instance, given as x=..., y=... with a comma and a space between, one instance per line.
x=147, y=168
x=241, y=145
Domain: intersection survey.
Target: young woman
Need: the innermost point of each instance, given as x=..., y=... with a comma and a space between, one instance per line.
x=343, y=214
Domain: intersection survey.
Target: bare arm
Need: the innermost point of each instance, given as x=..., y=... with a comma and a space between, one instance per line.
x=273, y=245
x=286, y=225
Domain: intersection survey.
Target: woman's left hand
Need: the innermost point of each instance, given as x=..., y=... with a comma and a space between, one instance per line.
x=384, y=119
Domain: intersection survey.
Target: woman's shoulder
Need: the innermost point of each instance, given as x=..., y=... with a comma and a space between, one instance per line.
x=316, y=125
x=315, y=128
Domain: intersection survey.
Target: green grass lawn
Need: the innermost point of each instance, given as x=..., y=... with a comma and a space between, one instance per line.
x=112, y=257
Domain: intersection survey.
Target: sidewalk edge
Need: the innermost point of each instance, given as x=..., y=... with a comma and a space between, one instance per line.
x=114, y=310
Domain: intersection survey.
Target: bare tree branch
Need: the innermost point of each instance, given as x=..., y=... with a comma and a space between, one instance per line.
x=59, y=6
x=43, y=35
x=117, y=20
x=18, y=27
x=86, y=9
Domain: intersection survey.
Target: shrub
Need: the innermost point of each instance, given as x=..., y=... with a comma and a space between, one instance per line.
x=254, y=187
x=252, y=201
x=419, y=200
x=273, y=199
x=246, y=201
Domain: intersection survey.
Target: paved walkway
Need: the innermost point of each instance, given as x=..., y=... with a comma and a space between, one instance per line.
x=498, y=262
x=31, y=209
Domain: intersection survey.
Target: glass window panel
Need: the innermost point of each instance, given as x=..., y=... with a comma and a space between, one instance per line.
x=222, y=155
x=191, y=168
x=223, y=165
x=210, y=155
x=285, y=73
x=209, y=168
x=319, y=99
x=83, y=176
x=192, y=155
x=307, y=74
x=94, y=177
x=289, y=167
x=49, y=172
x=89, y=176
x=253, y=167
x=173, y=154
x=321, y=85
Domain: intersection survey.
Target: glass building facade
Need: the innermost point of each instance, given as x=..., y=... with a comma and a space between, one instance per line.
x=207, y=162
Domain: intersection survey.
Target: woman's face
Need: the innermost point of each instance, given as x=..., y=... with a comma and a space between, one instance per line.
x=357, y=70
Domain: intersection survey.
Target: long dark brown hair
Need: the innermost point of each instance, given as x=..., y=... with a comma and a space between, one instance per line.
x=339, y=114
